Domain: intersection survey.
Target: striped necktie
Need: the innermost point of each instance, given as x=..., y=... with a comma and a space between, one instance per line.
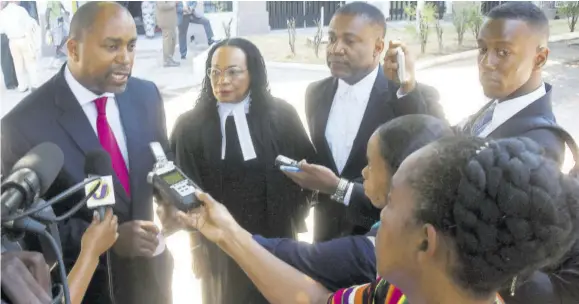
x=483, y=120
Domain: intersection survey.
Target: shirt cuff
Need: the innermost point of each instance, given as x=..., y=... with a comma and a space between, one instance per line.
x=399, y=93
x=348, y=194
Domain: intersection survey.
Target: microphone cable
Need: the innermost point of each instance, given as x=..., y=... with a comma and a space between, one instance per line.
x=57, y=199
x=62, y=270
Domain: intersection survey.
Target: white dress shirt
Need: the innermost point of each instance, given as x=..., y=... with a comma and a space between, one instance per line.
x=348, y=108
x=86, y=100
x=505, y=110
x=238, y=111
x=14, y=21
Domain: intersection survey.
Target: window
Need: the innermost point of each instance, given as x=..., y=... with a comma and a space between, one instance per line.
x=217, y=6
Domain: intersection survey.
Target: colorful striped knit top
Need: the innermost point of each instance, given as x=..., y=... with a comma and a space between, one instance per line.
x=377, y=292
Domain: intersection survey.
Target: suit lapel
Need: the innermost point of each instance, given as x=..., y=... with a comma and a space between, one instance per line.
x=140, y=156
x=326, y=98
x=74, y=122
x=519, y=123
x=373, y=116
x=73, y=119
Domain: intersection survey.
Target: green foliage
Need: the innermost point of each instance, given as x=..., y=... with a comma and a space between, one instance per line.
x=460, y=19
x=427, y=16
x=570, y=9
x=475, y=20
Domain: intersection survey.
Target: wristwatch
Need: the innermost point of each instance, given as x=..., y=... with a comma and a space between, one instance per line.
x=341, y=191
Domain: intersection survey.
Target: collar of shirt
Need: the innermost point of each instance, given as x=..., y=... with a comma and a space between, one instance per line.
x=238, y=111
x=82, y=94
x=361, y=90
x=505, y=110
x=86, y=100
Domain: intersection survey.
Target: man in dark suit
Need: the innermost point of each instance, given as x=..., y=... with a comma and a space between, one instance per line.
x=94, y=103
x=513, y=50
x=344, y=110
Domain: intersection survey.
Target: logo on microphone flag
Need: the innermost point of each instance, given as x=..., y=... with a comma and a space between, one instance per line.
x=104, y=194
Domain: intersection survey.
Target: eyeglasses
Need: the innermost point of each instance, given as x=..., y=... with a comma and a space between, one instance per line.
x=230, y=73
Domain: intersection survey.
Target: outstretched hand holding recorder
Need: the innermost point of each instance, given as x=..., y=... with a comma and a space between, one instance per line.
x=170, y=183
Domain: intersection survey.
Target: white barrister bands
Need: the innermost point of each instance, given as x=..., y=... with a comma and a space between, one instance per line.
x=238, y=111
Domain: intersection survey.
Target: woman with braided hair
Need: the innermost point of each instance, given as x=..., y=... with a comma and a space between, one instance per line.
x=464, y=219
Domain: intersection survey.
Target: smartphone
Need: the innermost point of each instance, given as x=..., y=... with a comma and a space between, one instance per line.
x=287, y=164
x=401, y=60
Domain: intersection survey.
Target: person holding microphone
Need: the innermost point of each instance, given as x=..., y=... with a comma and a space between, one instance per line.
x=99, y=237
x=26, y=276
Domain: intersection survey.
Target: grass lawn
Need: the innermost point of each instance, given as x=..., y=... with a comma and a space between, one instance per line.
x=275, y=46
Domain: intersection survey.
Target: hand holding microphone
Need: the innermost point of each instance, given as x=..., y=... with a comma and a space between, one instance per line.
x=135, y=238
x=101, y=235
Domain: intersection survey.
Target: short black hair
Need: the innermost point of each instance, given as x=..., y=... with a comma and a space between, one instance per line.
x=84, y=18
x=506, y=208
x=367, y=10
x=524, y=11
x=404, y=135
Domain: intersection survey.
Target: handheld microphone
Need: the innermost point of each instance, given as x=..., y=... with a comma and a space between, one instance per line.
x=98, y=163
x=31, y=177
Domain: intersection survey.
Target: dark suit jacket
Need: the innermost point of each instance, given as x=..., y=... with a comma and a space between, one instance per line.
x=529, y=122
x=525, y=124
x=383, y=106
x=52, y=114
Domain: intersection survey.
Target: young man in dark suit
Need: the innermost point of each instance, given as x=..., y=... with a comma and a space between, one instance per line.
x=344, y=110
x=94, y=103
x=513, y=50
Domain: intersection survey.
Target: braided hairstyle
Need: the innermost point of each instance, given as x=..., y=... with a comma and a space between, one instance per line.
x=506, y=209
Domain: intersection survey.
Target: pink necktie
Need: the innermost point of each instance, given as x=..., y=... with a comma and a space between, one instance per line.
x=110, y=144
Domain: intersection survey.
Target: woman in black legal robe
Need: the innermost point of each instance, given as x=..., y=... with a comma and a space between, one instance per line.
x=238, y=168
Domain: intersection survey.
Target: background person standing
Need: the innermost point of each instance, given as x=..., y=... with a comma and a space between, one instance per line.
x=167, y=21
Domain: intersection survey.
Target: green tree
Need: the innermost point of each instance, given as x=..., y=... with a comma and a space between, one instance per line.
x=425, y=19
x=570, y=9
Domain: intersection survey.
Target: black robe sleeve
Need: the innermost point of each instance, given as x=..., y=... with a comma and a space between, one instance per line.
x=424, y=99
x=296, y=145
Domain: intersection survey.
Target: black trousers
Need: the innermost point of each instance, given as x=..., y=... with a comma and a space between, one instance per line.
x=7, y=63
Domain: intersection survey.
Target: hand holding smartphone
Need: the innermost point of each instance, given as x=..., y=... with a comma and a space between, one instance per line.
x=287, y=164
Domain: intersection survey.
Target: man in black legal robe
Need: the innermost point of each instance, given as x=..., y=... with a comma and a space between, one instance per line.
x=344, y=110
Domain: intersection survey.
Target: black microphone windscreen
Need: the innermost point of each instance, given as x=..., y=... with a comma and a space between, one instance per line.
x=46, y=160
x=98, y=162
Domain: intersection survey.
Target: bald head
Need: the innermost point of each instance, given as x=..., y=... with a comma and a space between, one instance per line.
x=88, y=14
x=101, y=48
